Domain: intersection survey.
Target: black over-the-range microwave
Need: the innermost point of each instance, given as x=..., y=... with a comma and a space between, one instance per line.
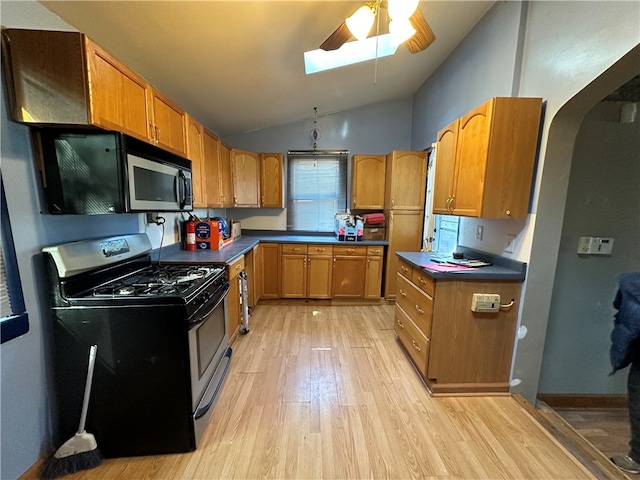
x=99, y=172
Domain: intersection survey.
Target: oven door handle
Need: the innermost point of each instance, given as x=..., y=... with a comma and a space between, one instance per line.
x=212, y=390
x=202, y=318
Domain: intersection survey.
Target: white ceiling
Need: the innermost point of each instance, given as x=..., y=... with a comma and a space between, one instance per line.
x=237, y=66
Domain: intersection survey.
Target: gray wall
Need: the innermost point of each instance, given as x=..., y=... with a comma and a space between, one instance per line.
x=374, y=129
x=603, y=200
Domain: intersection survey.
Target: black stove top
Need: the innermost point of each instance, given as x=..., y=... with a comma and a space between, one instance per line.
x=157, y=281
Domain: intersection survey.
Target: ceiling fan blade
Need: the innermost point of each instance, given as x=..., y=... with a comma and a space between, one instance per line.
x=423, y=36
x=337, y=38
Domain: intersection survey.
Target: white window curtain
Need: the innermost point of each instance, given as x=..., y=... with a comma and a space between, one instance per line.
x=316, y=189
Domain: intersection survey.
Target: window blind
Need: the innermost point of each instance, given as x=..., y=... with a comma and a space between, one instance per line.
x=317, y=189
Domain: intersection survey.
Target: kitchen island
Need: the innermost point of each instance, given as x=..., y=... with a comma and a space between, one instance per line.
x=458, y=329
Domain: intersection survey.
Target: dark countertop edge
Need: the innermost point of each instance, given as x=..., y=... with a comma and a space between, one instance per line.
x=501, y=268
x=227, y=254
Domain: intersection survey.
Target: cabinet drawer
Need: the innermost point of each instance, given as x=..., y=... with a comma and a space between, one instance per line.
x=417, y=304
x=235, y=267
x=375, y=251
x=416, y=344
x=294, y=248
x=349, y=250
x=405, y=268
x=424, y=281
x=319, y=249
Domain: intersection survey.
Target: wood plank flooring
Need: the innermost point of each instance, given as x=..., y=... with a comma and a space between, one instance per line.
x=326, y=392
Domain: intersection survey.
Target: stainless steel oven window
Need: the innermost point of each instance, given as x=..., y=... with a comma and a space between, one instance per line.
x=208, y=341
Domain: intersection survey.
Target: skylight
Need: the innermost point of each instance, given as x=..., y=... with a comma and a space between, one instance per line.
x=348, y=54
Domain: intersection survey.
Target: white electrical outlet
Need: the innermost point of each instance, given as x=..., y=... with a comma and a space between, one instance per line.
x=479, y=232
x=485, y=302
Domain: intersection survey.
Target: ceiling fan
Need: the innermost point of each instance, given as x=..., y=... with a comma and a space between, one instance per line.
x=410, y=25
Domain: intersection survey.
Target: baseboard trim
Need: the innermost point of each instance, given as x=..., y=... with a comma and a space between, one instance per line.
x=584, y=401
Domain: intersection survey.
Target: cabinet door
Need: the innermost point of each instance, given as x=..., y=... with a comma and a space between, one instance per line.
x=319, y=273
x=258, y=266
x=212, y=171
x=404, y=235
x=169, y=123
x=270, y=270
x=119, y=97
x=294, y=276
x=445, y=162
x=245, y=174
x=348, y=276
x=471, y=162
x=472, y=348
x=195, y=153
x=225, y=175
x=373, y=277
x=406, y=180
x=272, y=180
x=368, y=181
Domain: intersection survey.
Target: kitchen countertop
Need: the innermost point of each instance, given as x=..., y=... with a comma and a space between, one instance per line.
x=501, y=268
x=240, y=246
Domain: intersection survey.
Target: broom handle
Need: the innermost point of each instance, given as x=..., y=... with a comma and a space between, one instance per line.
x=87, y=387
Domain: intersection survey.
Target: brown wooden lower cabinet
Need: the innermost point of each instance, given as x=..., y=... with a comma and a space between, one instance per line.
x=454, y=349
x=233, y=299
x=318, y=271
x=270, y=270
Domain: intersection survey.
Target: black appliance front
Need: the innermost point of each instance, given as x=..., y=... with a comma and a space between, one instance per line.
x=141, y=395
x=87, y=172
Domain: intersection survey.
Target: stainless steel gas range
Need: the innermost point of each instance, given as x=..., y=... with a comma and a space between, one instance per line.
x=163, y=343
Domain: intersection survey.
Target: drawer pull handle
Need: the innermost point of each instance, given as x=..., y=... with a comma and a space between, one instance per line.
x=420, y=311
x=422, y=280
x=404, y=269
x=350, y=250
x=400, y=323
x=415, y=345
x=238, y=267
x=320, y=249
x=403, y=293
x=295, y=249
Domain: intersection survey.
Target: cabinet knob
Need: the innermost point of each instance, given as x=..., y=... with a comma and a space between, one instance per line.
x=508, y=212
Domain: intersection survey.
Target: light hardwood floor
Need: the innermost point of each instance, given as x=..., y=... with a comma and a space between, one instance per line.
x=326, y=392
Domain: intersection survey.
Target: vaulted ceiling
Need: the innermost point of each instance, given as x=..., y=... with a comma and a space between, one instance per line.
x=237, y=66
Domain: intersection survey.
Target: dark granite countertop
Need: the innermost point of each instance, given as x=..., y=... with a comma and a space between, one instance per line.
x=501, y=268
x=240, y=246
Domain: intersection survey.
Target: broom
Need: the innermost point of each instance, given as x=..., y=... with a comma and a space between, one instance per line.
x=80, y=452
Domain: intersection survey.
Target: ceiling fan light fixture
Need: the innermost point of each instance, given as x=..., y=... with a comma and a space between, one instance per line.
x=401, y=9
x=400, y=31
x=360, y=22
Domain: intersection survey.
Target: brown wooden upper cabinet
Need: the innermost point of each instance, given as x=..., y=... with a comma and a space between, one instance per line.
x=218, y=189
x=368, y=181
x=406, y=176
x=195, y=153
x=485, y=160
x=245, y=173
x=211, y=179
x=271, y=180
x=63, y=78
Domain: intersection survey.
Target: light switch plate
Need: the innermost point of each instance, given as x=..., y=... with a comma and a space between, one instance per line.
x=595, y=246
